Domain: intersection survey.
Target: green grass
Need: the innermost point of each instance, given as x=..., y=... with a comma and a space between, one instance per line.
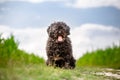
x=43, y=72
x=11, y=56
x=110, y=57
x=16, y=64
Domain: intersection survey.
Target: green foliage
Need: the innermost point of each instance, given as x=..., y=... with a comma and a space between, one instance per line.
x=42, y=72
x=10, y=55
x=110, y=57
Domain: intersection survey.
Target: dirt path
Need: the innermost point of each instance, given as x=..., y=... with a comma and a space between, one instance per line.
x=113, y=73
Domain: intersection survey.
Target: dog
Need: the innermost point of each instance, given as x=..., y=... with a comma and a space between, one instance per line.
x=59, y=48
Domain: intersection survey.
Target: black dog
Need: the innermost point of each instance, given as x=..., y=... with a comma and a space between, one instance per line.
x=59, y=49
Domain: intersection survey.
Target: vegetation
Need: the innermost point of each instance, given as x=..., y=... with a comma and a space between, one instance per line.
x=42, y=72
x=110, y=57
x=11, y=56
x=16, y=64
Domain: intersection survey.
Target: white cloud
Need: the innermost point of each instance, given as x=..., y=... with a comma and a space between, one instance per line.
x=40, y=1
x=77, y=3
x=31, y=39
x=90, y=37
x=87, y=37
x=95, y=3
x=4, y=9
x=34, y=1
x=1, y=1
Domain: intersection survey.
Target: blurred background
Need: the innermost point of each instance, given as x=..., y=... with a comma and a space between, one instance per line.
x=95, y=24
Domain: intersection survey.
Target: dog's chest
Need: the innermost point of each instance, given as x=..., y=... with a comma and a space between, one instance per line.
x=59, y=48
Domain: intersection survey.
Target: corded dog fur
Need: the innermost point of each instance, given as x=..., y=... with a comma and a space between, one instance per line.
x=59, y=48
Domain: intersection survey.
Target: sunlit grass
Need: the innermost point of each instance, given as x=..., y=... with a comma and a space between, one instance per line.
x=11, y=56
x=110, y=57
x=43, y=72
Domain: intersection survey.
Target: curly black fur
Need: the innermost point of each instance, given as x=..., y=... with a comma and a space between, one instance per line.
x=59, y=53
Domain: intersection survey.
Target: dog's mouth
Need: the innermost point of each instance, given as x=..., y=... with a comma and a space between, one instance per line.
x=60, y=39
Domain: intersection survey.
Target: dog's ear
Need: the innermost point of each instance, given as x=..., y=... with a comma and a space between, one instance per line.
x=68, y=30
x=49, y=31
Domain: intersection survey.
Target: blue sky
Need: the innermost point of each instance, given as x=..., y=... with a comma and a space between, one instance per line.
x=24, y=14
x=94, y=23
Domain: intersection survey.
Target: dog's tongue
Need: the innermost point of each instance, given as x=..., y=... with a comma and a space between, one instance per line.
x=60, y=39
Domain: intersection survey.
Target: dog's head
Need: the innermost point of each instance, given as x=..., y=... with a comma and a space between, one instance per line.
x=58, y=31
